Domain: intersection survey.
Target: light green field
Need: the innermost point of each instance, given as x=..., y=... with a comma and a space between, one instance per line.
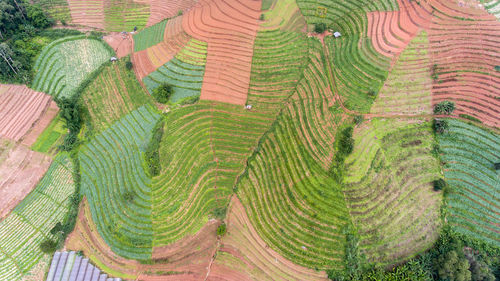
x=51, y=137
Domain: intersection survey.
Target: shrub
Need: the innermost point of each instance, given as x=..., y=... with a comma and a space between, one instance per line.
x=444, y=107
x=48, y=246
x=452, y=266
x=128, y=196
x=163, y=93
x=57, y=228
x=320, y=27
x=434, y=74
x=129, y=65
x=152, y=154
x=440, y=125
x=346, y=142
x=497, y=166
x=439, y=184
x=63, y=22
x=219, y=213
x=221, y=230
x=358, y=119
x=180, y=12
x=372, y=93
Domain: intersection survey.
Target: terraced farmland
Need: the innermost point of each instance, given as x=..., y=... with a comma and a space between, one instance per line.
x=59, y=68
x=388, y=188
x=124, y=15
x=150, y=36
x=469, y=153
x=31, y=221
x=117, y=185
x=493, y=7
x=57, y=9
x=185, y=72
x=114, y=93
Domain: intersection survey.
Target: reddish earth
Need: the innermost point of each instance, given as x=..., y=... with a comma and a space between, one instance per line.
x=466, y=53
x=87, y=12
x=229, y=27
x=391, y=32
x=121, y=43
x=162, y=9
x=20, y=109
x=186, y=259
x=41, y=125
x=147, y=61
x=20, y=170
x=245, y=256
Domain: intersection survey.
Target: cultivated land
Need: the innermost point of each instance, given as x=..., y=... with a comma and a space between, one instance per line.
x=333, y=166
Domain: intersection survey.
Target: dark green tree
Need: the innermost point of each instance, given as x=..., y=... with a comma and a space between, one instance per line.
x=320, y=27
x=163, y=93
x=452, y=266
x=444, y=107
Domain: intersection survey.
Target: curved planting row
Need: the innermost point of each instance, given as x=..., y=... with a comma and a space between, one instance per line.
x=244, y=255
x=174, y=39
x=20, y=110
x=391, y=32
x=389, y=189
x=229, y=27
x=185, y=72
x=284, y=15
x=65, y=63
x=465, y=53
x=125, y=15
x=114, y=93
x=348, y=17
x=163, y=9
x=117, y=186
x=149, y=36
x=31, y=221
x=359, y=70
x=203, y=151
x=407, y=89
x=469, y=153
x=493, y=7
x=87, y=12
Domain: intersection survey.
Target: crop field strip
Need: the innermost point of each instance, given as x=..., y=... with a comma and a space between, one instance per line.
x=164, y=9
x=203, y=150
x=51, y=137
x=87, y=12
x=294, y=212
x=185, y=71
x=124, y=15
x=112, y=167
x=466, y=53
x=20, y=109
x=57, y=9
x=229, y=27
x=407, y=89
x=149, y=36
x=469, y=153
x=174, y=39
x=59, y=68
x=114, y=93
x=24, y=229
x=389, y=189
x=493, y=7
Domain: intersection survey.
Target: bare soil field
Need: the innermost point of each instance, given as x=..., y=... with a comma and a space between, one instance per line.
x=162, y=9
x=121, y=43
x=229, y=27
x=20, y=110
x=20, y=170
x=87, y=12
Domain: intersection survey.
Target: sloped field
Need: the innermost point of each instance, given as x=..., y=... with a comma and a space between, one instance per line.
x=65, y=63
x=117, y=185
x=203, y=151
x=163, y=9
x=114, y=93
x=229, y=27
x=149, y=36
x=469, y=153
x=31, y=221
x=20, y=110
x=493, y=7
x=407, y=89
x=57, y=9
x=87, y=12
x=185, y=72
x=389, y=190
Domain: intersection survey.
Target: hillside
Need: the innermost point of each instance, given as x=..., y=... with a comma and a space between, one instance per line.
x=252, y=140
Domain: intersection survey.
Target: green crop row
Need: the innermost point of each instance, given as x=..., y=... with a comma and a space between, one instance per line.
x=65, y=63
x=202, y=152
x=149, y=36
x=117, y=186
x=22, y=231
x=57, y=9
x=124, y=15
x=389, y=189
x=469, y=153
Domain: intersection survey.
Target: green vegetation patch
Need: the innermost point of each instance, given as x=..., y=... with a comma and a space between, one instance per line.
x=112, y=94
x=117, y=185
x=124, y=15
x=57, y=9
x=470, y=154
x=31, y=221
x=149, y=36
x=51, y=137
x=65, y=63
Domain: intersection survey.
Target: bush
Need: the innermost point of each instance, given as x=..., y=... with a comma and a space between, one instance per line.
x=440, y=125
x=346, y=142
x=152, y=154
x=48, y=246
x=63, y=22
x=221, y=230
x=129, y=65
x=320, y=27
x=453, y=266
x=128, y=196
x=444, y=107
x=219, y=213
x=358, y=119
x=439, y=184
x=163, y=93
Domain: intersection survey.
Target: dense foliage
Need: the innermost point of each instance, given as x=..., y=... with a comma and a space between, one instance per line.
x=444, y=107
x=163, y=93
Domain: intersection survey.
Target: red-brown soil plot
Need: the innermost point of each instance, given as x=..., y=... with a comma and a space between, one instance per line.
x=87, y=12
x=20, y=171
x=20, y=110
x=120, y=42
x=162, y=9
x=229, y=27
